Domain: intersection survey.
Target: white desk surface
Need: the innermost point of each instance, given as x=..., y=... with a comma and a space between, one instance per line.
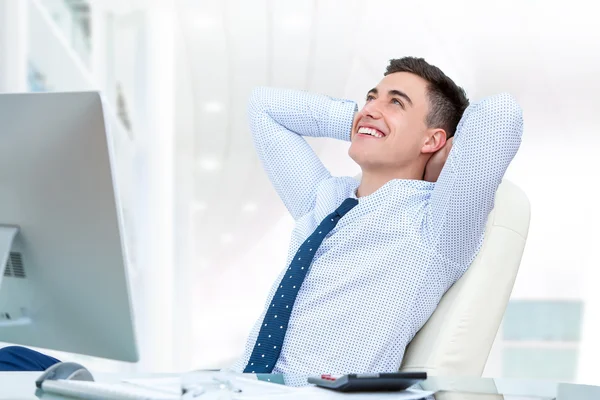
x=18, y=385
x=21, y=386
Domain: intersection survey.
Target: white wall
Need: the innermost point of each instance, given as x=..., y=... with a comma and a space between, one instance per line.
x=155, y=193
x=13, y=45
x=560, y=178
x=230, y=298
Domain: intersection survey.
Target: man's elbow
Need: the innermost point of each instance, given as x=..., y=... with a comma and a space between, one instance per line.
x=256, y=103
x=512, y=108
x=505, y=113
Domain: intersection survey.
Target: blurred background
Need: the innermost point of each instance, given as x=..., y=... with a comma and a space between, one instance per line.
x=208, y=234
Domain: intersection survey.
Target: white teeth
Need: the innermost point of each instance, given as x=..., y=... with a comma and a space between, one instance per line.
x=369, y=131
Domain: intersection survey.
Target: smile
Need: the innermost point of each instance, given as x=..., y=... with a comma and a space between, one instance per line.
x=370, y=132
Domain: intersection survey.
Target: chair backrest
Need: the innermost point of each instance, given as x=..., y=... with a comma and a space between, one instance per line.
x=457, y=338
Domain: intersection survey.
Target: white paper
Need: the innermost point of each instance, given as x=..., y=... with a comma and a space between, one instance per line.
x=326, y=394
x=253, y=389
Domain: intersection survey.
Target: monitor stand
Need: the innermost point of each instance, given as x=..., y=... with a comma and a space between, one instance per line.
x=7, y=235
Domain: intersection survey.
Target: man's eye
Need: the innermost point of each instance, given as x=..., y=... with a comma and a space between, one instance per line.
x=370, y=97
x=396, y=101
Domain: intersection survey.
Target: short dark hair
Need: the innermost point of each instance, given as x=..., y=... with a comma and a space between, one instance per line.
x=447, y=101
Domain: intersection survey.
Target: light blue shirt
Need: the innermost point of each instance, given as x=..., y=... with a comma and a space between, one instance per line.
x=381, y=272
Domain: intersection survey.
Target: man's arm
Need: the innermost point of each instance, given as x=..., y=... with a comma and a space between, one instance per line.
x=486, y=140
x=278, y=120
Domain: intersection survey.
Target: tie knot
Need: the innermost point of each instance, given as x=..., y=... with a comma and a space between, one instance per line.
x=346, y=206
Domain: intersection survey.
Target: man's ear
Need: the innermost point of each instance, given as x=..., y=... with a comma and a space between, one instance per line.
x=435, y=139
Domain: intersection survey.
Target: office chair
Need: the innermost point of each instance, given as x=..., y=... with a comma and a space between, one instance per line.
x=457, y=338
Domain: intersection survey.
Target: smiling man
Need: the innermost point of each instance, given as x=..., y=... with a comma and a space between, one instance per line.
x=369, y=260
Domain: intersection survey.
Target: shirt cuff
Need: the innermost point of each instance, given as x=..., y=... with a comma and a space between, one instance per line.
x=340, y=118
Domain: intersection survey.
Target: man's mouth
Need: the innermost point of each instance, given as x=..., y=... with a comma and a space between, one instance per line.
x=370, y=132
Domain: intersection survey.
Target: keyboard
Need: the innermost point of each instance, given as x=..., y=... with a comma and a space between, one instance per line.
x=100, y=391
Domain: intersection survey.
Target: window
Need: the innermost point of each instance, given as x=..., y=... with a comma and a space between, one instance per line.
x=540, y=339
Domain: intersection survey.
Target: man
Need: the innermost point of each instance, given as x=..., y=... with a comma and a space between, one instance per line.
x=370, y=260
x=362, y=280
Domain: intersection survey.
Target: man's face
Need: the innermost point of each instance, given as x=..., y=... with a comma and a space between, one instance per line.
x=390, y=131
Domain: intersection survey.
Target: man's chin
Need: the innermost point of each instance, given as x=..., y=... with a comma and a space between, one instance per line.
x=364, y=162
x=361, y=157
x=354, y=155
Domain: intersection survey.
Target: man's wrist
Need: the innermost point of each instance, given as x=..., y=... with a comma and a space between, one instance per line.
x=340, y=119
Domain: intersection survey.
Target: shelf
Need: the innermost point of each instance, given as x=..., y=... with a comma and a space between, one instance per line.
x=51, y=54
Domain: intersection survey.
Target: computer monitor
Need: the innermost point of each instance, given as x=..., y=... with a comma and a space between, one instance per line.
x=63, y=275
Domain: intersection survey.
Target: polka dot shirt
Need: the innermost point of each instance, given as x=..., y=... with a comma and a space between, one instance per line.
x=379, y=275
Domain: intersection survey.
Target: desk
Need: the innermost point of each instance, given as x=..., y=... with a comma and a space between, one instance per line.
x=21, y=385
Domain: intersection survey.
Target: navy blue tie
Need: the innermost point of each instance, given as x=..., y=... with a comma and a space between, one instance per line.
x=272, y=332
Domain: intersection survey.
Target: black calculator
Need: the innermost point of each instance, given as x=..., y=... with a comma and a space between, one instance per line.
x=384, y=382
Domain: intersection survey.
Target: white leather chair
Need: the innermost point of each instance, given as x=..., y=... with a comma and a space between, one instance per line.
x=457, y=338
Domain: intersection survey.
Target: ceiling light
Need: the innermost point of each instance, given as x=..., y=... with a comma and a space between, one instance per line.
x=197, y=207
x=250, y=207
x=295, y=22
x=213, y=107
x=209, y=164
x=204, y=22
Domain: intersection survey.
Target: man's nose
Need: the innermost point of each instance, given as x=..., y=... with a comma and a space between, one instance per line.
x=372, y=109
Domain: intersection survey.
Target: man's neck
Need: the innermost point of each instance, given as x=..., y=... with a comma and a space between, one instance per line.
x=371, y=181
